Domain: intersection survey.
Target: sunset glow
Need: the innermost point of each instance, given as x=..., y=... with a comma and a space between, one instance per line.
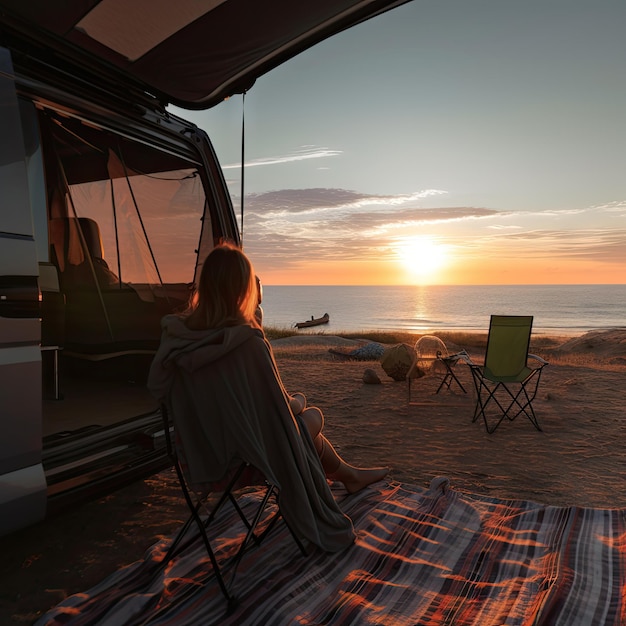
x=452, y=180
x=422, y=258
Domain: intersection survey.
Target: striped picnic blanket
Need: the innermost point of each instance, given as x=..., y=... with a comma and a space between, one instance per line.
x=435, y=556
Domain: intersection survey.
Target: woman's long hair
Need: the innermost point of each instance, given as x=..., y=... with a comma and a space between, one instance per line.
x=227, y=292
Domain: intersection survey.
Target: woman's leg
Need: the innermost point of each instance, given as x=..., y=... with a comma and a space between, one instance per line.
x=297, y=403
x=313, y=419
x=353, y=478
x=335, y=468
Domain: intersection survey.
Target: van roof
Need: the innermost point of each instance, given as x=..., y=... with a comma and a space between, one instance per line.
x=191, y=53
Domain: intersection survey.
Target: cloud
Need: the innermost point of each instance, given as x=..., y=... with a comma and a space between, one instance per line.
x=324, y=213
x=605, y=246
x=601, y=245
x=290, y=225
x=287, y=227
x=405, y=218
x=303, y=154
x=618, y=206
x=327, y=199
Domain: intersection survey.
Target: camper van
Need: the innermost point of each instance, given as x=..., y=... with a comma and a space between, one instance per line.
x=108, y=206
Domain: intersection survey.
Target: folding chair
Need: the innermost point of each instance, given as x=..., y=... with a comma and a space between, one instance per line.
x=197, y=500
x=449, y=361
x=431, y=355
x=505, y=379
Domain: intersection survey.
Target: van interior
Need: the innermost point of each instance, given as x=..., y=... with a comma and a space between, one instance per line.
x=114, y=270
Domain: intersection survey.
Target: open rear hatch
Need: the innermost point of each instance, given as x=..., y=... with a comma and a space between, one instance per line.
x=190, y=53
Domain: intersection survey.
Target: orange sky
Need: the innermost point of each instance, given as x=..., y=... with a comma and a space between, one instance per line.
x=470, y=271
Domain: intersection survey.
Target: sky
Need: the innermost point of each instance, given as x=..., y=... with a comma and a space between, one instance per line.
x=444, y=142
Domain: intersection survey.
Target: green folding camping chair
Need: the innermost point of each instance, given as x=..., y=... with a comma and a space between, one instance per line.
x=506, y=382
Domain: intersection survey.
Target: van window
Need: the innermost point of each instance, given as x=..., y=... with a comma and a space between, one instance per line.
x=149, y=221
x=147, y=204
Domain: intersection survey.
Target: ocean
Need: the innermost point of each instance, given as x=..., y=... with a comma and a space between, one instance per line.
x=557, y=309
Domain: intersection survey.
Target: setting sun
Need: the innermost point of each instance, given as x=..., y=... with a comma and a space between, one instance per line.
x=422, y=257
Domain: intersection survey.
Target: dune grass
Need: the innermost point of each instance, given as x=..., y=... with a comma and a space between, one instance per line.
x=385, y=337
x=474, y=342
x=454, y=339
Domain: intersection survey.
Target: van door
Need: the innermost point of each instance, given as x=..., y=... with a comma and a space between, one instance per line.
x=22, y=480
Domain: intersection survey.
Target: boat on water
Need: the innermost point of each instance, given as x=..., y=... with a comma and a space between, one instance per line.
x=314, y=321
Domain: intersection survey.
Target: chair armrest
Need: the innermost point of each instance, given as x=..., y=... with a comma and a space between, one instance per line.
x=538, y=358
x=460, y=356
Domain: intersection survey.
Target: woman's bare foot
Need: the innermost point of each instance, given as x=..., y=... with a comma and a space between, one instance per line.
x=356, y=478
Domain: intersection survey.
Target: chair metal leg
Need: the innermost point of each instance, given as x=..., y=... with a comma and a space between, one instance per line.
x=296, y=539
x=250, y=534
x=251, y=538
x=524, y=406
x=195, y=505
x=171, y=551
x=447, y=381
x=481, y=406
x=450, y=376
x=201, y=525
x=520, y=402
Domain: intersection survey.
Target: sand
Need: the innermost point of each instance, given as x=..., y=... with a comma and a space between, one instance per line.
x=578, y=459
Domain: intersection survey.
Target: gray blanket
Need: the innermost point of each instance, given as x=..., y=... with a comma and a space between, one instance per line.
x=228, y=402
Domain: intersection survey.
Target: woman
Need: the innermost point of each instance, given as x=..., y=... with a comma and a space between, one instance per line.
x=217, y=372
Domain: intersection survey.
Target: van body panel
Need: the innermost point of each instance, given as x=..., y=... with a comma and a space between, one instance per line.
x=22, y=498
x=16, y=332
x=23, y=488
x=18, y=253
x=20, y=445
x=22, y=481
x=13, y=181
